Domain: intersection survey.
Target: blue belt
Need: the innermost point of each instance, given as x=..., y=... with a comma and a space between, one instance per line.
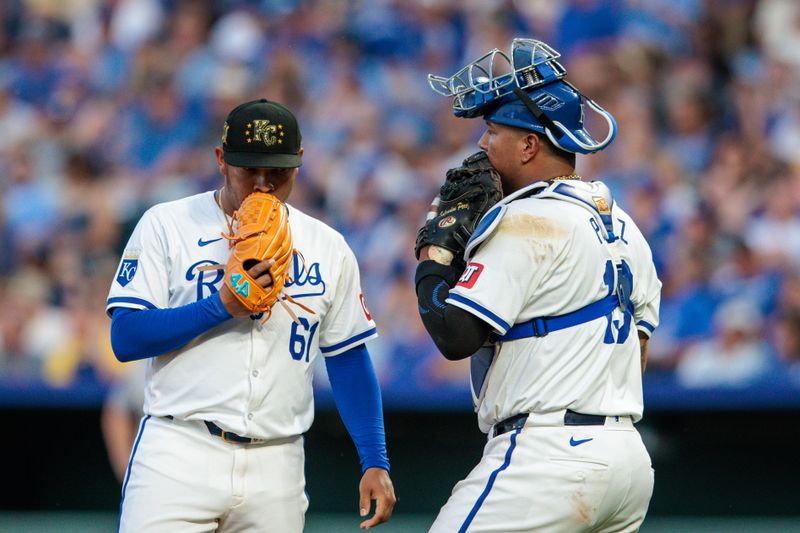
x=571, y=418
x=541, y=326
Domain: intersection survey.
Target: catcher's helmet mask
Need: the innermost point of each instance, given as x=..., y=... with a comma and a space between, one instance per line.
x=534, y=95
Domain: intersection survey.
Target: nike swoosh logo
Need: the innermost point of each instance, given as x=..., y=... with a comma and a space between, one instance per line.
x=201, y=242
x=573, y=442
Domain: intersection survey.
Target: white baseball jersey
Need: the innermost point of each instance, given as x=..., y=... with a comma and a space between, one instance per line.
x=248, y=378
x=547, y=255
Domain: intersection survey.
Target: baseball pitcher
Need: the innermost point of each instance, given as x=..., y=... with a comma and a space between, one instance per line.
x=230, y=296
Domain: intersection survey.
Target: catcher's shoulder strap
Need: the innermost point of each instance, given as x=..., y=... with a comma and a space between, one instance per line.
x=594, y=196
x=486, y=226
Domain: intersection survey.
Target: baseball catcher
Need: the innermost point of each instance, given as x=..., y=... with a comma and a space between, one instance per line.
x=469, y=191
x=553, y=309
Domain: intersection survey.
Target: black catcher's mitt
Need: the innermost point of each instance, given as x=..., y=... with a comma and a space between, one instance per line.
x=468, y=192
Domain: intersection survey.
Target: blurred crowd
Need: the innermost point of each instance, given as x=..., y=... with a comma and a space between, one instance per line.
x=110, y=106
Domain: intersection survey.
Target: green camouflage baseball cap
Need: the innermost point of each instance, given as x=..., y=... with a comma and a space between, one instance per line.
x=261, y=134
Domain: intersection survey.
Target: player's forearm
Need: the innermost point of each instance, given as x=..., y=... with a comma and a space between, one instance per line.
x=358, y=399
x=643, y=340
x=455, y=332
x=152, y=332
x=118, y=435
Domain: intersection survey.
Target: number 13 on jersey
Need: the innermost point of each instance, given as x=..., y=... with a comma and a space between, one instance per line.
x=623, y=289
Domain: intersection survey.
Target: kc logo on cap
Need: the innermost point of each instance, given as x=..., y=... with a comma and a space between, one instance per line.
x=266, y=132
x=262, y=134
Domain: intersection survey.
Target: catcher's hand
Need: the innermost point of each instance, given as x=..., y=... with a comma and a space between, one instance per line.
x=258, y=267
x=468, y=192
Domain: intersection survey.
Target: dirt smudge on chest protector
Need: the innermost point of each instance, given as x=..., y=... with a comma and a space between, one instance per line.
x=539, y=237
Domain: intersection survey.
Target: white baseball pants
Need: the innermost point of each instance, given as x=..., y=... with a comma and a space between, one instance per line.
x=182, y=479
x=554, y=478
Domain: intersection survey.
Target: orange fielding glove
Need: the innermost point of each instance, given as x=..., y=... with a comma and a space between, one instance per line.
x=262, y=233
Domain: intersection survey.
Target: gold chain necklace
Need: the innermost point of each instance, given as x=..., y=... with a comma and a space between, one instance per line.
x=569, y=177
x=219, y=203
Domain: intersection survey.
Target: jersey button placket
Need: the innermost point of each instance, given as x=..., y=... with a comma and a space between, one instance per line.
x=259, y=351
x=254, y=386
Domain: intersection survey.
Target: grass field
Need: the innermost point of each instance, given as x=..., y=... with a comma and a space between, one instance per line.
x=63, y=522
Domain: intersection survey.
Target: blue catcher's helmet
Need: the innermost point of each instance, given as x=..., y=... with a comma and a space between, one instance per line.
x=533, y=95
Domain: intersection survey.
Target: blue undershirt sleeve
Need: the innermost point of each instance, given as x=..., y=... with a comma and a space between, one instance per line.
x=140, y=334
x=358, y=399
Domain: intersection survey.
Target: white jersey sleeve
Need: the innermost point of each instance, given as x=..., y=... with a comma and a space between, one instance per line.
x=646, y=295
x=141, y=281
x=348, y=322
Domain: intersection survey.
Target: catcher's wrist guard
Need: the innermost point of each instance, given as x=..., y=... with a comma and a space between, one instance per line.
x=468, y=192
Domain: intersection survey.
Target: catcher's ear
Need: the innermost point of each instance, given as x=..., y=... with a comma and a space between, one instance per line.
x=531, y=144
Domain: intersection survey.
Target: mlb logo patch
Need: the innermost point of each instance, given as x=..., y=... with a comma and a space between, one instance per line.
x=470, y=275
x=127, y=270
